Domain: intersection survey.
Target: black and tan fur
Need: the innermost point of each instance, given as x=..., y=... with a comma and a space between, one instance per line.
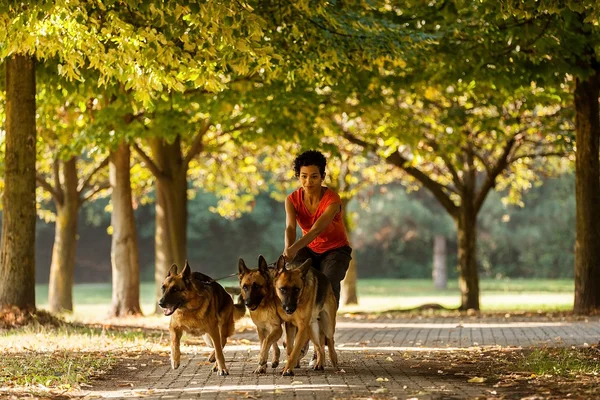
x=198, y=305
x=308, y=307
x=259, y=297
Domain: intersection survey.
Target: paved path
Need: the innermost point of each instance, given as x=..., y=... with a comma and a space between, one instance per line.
x=372, y=354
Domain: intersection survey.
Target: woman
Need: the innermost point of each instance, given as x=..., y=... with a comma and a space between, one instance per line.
x=318, y=211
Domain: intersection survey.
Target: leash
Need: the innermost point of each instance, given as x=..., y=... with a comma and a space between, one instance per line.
x=223, y=277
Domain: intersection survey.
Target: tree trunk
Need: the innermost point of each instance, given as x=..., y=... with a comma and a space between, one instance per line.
x=440, y=273
x=171, y=211
x=124, y=248
x=17, y=241
x=587, y=195
x=468, y=278
x=349, y=294
x=62, y=269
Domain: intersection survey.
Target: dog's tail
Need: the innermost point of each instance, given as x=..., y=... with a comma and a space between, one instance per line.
x=239, y=308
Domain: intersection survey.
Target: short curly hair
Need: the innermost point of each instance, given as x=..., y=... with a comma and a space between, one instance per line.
x=310, y=157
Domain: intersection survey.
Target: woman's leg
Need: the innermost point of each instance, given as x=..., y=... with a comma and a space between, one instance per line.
x=334, y=265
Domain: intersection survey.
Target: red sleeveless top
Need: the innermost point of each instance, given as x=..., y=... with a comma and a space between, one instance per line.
x=334, y=236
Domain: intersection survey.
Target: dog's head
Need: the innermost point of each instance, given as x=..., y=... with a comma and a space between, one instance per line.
x=175, y=289
x=255, y=283
x=289, y=284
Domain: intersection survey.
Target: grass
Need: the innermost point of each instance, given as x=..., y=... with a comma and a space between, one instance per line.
x=375, y=295
x=561, y=362
x=49, y=360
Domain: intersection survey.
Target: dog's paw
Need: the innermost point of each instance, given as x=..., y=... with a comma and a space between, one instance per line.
x=174, y=364
x=274, y=363
x=215, y=367
x=287, y=372
x=223, y=372
x=318, y=367
x=212, y=357
x=261, y=369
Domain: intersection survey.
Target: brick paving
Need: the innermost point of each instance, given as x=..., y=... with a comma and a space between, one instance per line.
x=371, y=356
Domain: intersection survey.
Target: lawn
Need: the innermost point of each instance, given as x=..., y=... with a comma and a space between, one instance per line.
x=374, y=295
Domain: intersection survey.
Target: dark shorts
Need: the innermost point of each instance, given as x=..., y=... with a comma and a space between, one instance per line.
x=333, y=264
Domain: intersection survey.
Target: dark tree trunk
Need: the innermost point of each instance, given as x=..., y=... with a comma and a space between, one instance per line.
x=62, y=269
x=124, y=248
x=587, y=194
x=468, y=276
x=171, y=210
x=17, y=242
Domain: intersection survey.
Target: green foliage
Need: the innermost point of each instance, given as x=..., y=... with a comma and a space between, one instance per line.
x=525, y=241
x=394, y=233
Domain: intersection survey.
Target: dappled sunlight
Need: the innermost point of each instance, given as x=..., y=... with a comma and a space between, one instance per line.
x=512, y=301
x=444, y=325
x=233, y=389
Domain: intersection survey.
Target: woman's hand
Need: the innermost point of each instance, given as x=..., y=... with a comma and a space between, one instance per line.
x=289, y=254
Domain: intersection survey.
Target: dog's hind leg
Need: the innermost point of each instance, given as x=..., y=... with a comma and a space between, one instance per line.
x=220, y=363
x=209, y=343
x=276, y=355
x=319, y=345
x=327, y=326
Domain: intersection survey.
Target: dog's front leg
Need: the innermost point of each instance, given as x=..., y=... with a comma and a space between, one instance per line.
x=175, y=343
x=276, y=333
x=268, y=341
x=216, y=339
x=301, y=337
x=263, y=353
x=290, y=336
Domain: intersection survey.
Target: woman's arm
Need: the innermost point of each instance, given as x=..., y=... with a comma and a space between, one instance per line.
x=319, y=226
x=290, y=223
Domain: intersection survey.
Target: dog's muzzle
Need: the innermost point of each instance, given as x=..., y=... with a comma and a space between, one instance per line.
x=167, y=309
x=289, y=310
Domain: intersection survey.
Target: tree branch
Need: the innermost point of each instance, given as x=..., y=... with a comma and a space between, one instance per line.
x=94, y=191
x=536, y=155
x=197, y=145
x=86, y=181
x=396, y=159
x=490, y=180
x=41, y=180
x=147, y=160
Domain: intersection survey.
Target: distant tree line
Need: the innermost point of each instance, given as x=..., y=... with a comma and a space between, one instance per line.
x=393, y=236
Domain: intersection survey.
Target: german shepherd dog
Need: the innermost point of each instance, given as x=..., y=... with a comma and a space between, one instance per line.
x=308, y=307
x=198, y=305
x=259, y=298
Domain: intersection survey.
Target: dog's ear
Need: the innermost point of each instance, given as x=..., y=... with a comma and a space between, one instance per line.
x=262, y=265
x=280, y=265
x=187, y=271
x=305, y=266
x=173, y=270
x=242, y=269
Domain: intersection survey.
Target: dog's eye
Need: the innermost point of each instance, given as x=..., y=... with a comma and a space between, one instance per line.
x=175, y=289
x=245, y=287
x=296, y=290
x=255, y=286
x=283, y=290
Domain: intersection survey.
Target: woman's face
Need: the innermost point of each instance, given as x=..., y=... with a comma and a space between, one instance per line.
x=310, y=178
